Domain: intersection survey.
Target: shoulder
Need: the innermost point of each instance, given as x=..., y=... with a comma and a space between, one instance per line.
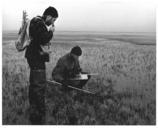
x=68, y=57
x=64, y=59
x=37, y=21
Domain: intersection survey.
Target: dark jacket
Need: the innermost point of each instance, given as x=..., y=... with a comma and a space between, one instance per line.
x=39, y=35
x=67, y=67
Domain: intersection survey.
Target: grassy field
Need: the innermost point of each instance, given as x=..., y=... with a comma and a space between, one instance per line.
x=126, y=84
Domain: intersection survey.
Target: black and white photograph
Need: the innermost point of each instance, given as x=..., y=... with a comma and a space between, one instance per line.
x=79, y=62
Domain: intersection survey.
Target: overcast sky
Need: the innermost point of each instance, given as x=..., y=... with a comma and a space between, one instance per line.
x=86, y=15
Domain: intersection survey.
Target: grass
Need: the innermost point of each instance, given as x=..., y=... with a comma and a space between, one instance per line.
x=126, y=84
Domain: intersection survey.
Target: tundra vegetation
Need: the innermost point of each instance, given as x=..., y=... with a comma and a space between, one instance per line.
x=125, y=86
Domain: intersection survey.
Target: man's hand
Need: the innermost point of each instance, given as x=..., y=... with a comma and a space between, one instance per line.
x=52, y=28
x=45, y=56
x=47, y=48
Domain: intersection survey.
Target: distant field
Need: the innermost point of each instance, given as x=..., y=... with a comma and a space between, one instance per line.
x=135, y=38
x=126, y=63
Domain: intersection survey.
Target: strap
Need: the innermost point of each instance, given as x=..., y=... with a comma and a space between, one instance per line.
x=27, y=29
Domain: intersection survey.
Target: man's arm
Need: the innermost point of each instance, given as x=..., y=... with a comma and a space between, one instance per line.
x=39, y=32
x=43, y=34
x=77, y=68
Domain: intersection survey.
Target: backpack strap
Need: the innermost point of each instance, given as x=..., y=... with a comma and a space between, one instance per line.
x=27, y=29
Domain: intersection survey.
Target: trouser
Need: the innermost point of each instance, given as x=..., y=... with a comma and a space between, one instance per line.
x=37, y=96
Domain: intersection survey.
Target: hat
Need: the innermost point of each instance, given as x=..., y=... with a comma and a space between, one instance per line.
x=76, y=50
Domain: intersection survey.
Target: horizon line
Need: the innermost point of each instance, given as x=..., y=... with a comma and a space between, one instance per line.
x=90, y=31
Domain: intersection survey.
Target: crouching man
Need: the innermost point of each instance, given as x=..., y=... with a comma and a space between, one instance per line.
x=67, y=68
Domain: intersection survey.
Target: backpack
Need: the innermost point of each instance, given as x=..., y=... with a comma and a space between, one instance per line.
x=23, y=36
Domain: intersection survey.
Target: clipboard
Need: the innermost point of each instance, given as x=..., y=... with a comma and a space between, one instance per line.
x=83, y=76
x=80, y=77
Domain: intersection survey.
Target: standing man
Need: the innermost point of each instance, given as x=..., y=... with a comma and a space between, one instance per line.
x=36, y=58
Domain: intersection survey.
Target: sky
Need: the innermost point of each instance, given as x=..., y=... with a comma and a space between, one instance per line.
x=86, y=15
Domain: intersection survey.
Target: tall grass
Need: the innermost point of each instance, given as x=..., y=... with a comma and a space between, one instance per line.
x=126, y=86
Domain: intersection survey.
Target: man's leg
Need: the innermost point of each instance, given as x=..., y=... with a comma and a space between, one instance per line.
x=37, y=97
x=37, y=105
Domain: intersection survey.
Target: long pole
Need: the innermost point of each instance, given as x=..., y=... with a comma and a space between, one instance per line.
x=82, y=90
